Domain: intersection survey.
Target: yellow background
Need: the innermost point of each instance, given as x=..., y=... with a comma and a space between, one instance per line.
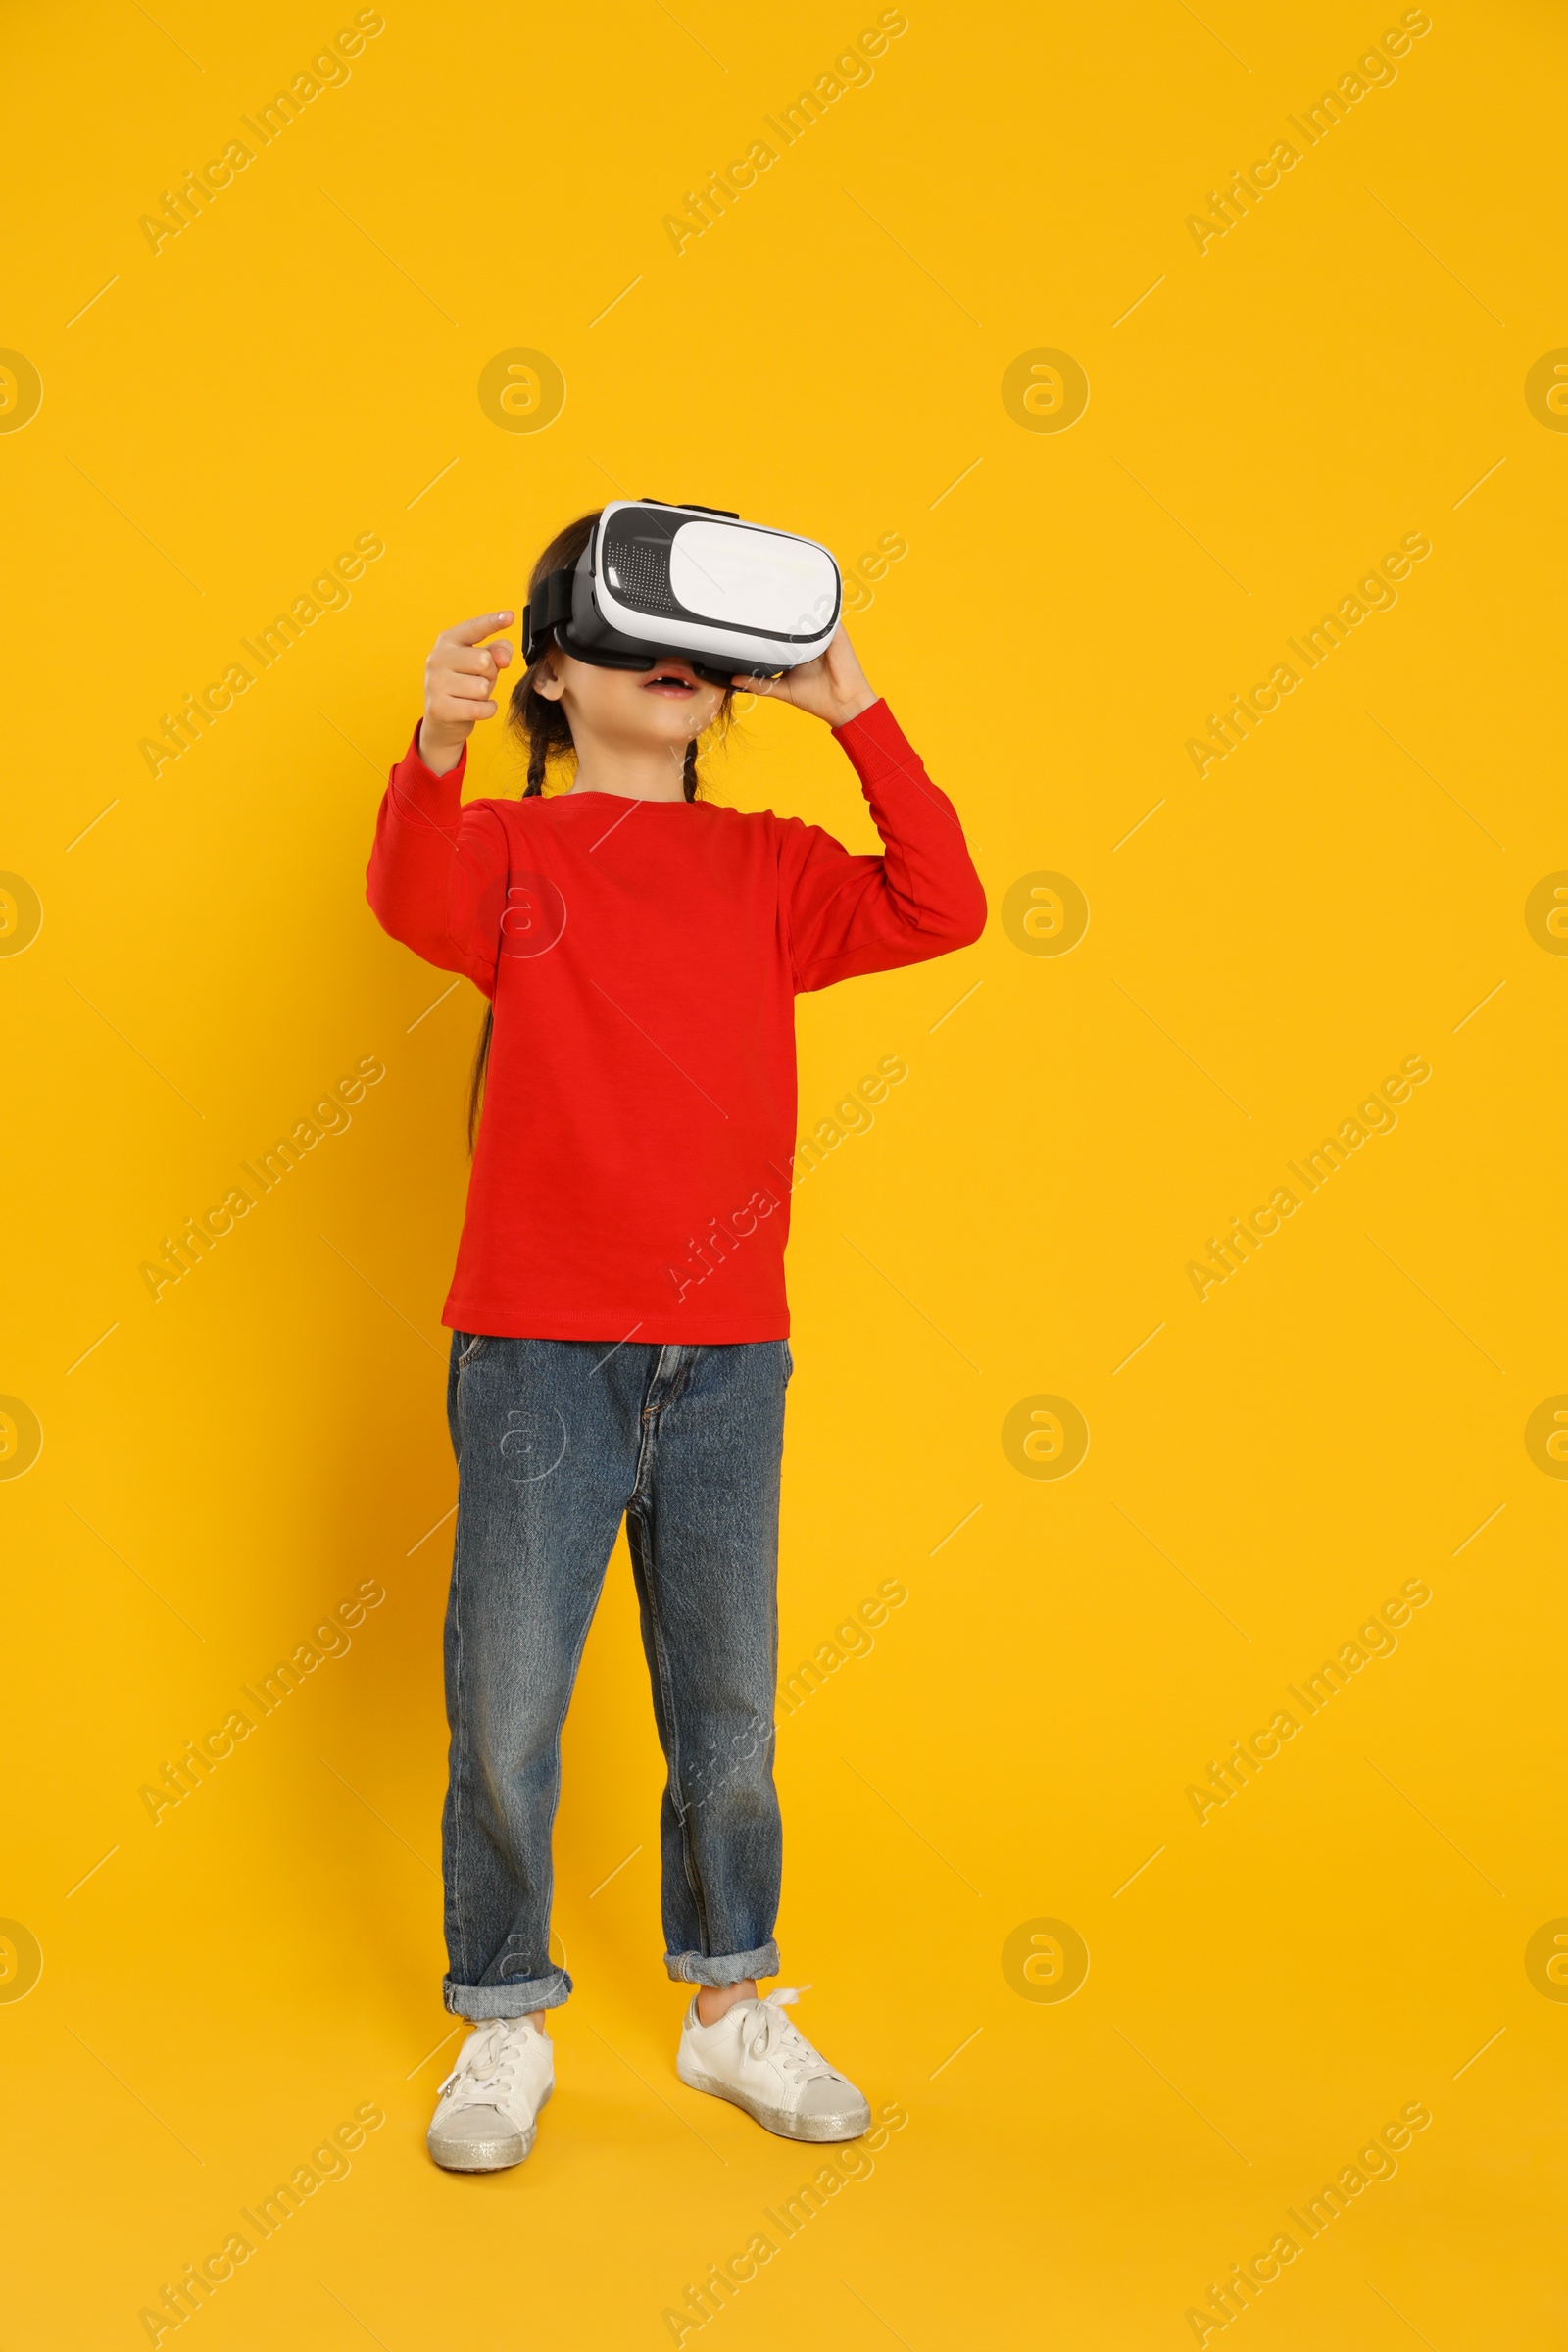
x=296, y=368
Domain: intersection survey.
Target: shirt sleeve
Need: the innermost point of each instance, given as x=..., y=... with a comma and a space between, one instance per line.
x=848, y=915
x=437, y=878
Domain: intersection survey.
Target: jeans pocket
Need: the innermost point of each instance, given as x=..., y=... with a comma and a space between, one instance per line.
x=789, y=1360
x=474, y=1344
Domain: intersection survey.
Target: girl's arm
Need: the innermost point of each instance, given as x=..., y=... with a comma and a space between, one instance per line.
x=437, y=877
x=922, y=896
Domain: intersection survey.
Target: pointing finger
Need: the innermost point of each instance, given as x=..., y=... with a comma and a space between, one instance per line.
x=470, y=632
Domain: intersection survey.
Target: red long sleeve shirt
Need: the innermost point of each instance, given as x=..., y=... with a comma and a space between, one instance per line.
x=632, y=1174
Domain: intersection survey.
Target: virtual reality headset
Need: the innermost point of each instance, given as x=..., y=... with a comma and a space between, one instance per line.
x=693, y=582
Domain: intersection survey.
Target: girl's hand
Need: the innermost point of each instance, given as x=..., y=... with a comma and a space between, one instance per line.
x=459, y=680
x=833, y=687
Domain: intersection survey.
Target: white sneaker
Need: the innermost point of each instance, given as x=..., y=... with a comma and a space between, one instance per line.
x=488, y=2108
x=758, y=2059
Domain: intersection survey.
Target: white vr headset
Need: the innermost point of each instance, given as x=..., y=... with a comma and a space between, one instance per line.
x=694, y=582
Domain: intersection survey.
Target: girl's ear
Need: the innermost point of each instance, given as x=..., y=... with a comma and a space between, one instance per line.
x=546, y=682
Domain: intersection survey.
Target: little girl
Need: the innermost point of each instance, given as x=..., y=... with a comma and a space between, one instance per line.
x=620, y=1342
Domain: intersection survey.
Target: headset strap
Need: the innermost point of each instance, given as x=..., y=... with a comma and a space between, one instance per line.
x=543, y=612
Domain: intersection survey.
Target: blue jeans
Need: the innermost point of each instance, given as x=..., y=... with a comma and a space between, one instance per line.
x=556, y=1440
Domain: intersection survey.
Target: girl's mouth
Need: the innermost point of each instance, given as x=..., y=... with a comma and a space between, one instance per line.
x=675, y=681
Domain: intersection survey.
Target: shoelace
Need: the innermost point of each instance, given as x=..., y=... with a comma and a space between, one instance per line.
x=770, y=2033
x=487, y=2063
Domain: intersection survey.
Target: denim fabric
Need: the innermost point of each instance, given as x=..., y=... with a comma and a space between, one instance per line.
x=556, y=1440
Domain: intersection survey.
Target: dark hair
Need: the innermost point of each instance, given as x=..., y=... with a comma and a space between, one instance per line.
x=545, y=727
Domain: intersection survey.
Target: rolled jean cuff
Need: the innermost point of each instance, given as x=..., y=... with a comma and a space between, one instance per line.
x=506, y=2000
x=695, y=1968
